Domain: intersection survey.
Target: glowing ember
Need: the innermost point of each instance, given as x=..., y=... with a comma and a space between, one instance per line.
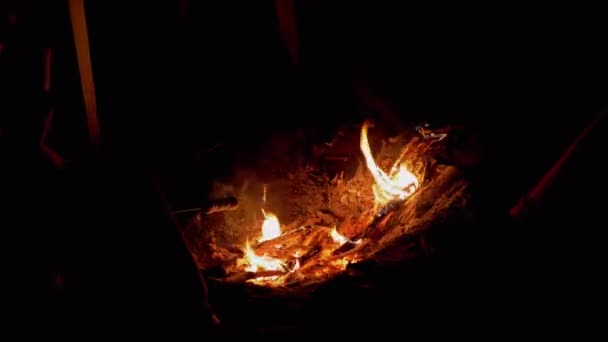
x=399, y=183
x=271, y=228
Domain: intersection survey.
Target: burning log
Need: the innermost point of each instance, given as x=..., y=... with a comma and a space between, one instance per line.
x=349, y=245
x=445, y=191
x=243, y=276
x=283, y=253
x=310, y=254
x=319, y=236
x=286, y=240
x=377, y=224
x=353, y=227
x=440, y=185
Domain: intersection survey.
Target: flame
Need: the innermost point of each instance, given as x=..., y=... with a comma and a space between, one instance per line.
x=399, y=183
x=337, y=237
x=255, y=263
x=271, y=228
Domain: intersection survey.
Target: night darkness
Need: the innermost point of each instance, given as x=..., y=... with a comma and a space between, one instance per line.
x=174, y=78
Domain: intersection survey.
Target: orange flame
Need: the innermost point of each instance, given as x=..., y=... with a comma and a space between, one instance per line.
x=271, y=228
x=255, y=263
x=399, y=183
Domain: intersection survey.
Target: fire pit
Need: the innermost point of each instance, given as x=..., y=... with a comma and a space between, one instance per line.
x=309, y=226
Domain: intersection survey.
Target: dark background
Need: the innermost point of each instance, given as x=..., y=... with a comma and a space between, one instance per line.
x=526, y=76
x=168, y=84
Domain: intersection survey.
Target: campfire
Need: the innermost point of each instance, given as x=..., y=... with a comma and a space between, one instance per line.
x=331, y=222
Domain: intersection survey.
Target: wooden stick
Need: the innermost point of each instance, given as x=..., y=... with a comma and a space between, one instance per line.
x=286, y=16
x=81, y=42
x=536, y=193
x=47, y=70
x=55, y=158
